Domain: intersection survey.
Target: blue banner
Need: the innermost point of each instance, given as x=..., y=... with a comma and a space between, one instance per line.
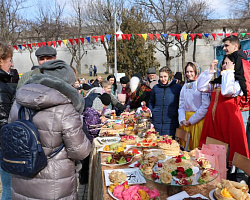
x=245, y=46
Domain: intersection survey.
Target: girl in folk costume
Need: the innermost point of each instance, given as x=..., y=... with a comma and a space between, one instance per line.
x=224, y=120
x=193, y=105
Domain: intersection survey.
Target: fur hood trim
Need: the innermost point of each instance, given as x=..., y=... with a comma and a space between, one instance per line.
x=61, y=86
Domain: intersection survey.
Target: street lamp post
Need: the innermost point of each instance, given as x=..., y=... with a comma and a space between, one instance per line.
x=119, y=38
x=174, y=48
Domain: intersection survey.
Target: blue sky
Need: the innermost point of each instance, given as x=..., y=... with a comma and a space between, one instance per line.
x=220, y=7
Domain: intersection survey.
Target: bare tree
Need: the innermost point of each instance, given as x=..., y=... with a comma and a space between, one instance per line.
x=11, y=23
x=175, y=16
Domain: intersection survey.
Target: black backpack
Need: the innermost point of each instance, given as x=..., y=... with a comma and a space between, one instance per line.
x=22, y=152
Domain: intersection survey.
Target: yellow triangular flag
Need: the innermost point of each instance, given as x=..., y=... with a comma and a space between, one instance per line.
x=144, y=36
x=184, y=35
x=65, y=42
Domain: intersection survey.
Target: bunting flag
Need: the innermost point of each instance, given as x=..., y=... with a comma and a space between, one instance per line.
x=158, y=36
x=214, y=35
x=82, y=40
x=178, y=36
x=184, y=35
x=59, y=42
x=102, y=37
x=192, y=35
x=164, y=35
x=124, y=37
x=151, y=36
x=54, y=43
x=243, y=34
x=144, y=36
x=96, y=38
x=76, y=40
x=206, y=35
x=108, y=37
x=199, y=35
x=15, y=47
x=88, y=39
x=65, y=42
x=71, y=41
x=128, y=37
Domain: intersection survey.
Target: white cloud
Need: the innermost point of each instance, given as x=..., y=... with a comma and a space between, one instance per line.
x=220, y=8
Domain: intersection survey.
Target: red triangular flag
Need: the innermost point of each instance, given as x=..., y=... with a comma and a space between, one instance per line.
x=172, y=34
x=178, y=36
x=96, y=38
x=128, y=36
x=151, y=36
x=77, y=40
x=82, y=40
x=25, y=45
x=39, y=44
x=220, y=34
x=59, y=42
x=228, y=34
x=49, y=43
x=29, y=45
x=15, y=47
x=71, y=41
x=102, y=37
x=34, y=44
x=117, y=35
x=54, y=43
x=157, y=36
x=235, y=34
x=214, y=35
x=124, y=37
x=199, y=35
x=192, y=36
x=44, y=43
x=247, y=33
x=139, y=35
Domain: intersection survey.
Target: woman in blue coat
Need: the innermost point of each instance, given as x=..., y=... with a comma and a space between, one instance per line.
x=164, y=103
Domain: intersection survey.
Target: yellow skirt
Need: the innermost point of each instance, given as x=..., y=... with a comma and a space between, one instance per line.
x=194, y=130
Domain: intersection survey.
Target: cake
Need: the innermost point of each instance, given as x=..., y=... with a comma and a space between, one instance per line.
x=170, y=147
x=128, y=139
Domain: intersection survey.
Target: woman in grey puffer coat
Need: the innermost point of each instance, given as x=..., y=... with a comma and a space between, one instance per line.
x=58, y=120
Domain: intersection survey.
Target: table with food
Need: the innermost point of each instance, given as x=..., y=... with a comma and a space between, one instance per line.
x=133, y=161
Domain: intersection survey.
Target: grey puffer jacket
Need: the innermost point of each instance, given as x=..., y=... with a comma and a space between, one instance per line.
x=57, y=121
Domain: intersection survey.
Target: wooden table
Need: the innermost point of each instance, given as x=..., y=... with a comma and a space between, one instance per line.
x=98, y=190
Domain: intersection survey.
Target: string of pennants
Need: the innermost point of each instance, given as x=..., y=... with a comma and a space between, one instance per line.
x=126, y=37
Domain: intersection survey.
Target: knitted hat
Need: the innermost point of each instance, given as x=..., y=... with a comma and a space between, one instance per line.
x=178, y=76
x=151, y=70
x=45, y=51
x=105, y=98
x=59, y=69
x=124, y=80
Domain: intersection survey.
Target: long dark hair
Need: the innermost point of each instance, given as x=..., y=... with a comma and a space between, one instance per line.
x=114, y=84
x=238, y=72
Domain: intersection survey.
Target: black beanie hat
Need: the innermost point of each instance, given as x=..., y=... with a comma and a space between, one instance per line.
x=178, y=76
x=124, y=80
x=137, y=74
x=105, y=98
x=86, y=86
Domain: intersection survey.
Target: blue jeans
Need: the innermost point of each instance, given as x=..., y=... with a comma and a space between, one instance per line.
x=6, y=184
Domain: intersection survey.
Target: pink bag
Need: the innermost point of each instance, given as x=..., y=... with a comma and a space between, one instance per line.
x=216, y=155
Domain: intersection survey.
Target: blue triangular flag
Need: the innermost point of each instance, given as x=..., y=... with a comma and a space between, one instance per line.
x=108, y=37
x=20, y=46
x=164, y=35
x=206, y=34
x=88, y=38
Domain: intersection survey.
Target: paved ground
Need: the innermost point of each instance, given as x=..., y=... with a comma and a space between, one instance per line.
x=82, y=191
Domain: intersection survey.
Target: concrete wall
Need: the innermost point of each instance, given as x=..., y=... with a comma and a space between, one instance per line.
x=97, y=56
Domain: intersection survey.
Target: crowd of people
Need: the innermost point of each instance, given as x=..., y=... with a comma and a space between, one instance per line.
x=200, y=104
